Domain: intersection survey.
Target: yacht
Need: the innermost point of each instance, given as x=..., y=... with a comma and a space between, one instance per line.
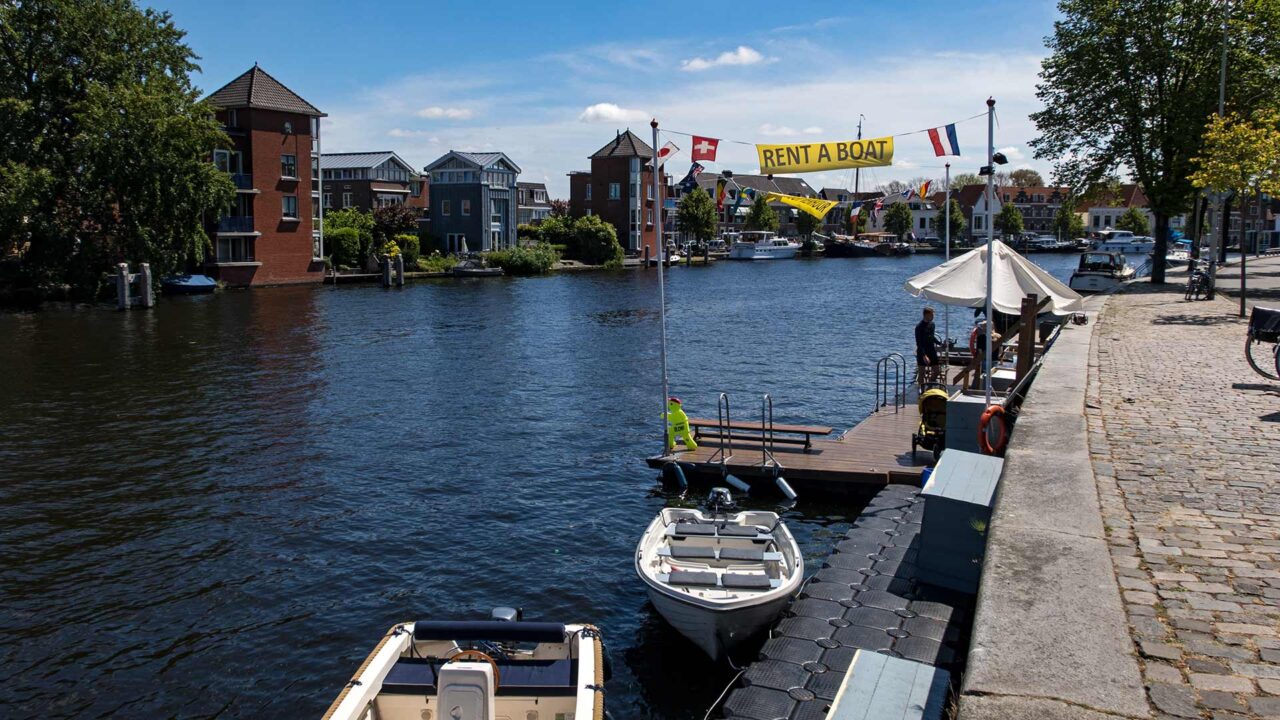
x=719, y=579
x=1123, y=241
x=481, y=670
x=1100, y=272
x=762, y=245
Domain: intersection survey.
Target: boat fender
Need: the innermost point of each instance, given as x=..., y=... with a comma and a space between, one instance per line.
x=781, y=482
x=984, y=443
x=678, y=424
x=737, y=483
x=673, y=474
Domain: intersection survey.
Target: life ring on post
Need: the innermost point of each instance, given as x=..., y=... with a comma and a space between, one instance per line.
x=984, y=444
x=973, y=341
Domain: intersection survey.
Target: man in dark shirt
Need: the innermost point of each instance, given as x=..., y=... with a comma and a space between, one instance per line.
x=926, y=343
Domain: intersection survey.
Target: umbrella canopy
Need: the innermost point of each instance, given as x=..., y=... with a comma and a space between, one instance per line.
x=963, y=281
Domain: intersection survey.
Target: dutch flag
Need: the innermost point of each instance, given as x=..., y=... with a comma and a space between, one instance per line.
x=944, y=140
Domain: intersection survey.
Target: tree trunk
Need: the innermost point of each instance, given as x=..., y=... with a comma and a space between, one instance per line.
x=1224, y=233
x=1160, y=252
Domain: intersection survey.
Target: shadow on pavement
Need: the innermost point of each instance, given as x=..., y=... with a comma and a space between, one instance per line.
x=1203, y=320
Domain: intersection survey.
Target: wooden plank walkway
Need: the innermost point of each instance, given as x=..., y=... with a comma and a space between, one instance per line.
x=875, y=452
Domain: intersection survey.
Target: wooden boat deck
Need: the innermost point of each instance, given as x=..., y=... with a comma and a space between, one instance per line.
x=875, y=452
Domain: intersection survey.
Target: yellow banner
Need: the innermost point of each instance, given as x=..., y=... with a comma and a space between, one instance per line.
x=812, y=157
x=814, y=206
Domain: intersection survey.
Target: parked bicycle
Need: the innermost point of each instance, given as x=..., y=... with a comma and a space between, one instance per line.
x=1199, y=282
x=1264, y=327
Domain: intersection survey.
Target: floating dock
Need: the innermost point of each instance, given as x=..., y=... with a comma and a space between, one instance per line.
x=867, y=597
x=875, y=452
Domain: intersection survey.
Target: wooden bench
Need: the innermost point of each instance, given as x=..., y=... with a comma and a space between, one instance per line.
x=713, y=430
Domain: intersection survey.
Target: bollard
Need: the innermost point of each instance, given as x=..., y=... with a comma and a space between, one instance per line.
x=144, y=287
x=384, y=262
x=688, y=259
x=646, y=255
x=122, y=286
x=706, y=253
x=399, y=271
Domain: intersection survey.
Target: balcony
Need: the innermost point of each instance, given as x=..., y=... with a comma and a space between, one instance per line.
x=242, y=181
x=236, y=224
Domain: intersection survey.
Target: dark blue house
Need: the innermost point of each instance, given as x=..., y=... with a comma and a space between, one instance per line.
x=473, y=201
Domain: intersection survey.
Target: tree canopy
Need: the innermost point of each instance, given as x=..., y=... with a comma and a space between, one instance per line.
x=761, y=216
x=104, y=145
x=897, y=219
x=1025, y=177
x=959, y=180
x=1132, y=84
x=1134, y=221
x=1009, y=219
x=1241, y=154
x=1067, y=223
x=696, y=215
x=958, y=223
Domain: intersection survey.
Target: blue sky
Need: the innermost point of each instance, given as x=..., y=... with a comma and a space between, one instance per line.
x=549, y=83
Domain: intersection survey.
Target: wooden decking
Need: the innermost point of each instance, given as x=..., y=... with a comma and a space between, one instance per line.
x=875, y=452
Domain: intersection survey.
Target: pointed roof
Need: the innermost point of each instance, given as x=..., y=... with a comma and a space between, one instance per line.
x=626, y=144
x=257, y=89
x=338, y=161
x=480, y=160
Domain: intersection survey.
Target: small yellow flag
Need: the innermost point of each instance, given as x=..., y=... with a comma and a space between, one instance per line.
x=814, y=206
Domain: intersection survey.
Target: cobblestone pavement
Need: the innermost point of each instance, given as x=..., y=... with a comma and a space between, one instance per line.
x=1185, y=442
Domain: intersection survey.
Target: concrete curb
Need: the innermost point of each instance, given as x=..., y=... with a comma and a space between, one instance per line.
x=1050, y=635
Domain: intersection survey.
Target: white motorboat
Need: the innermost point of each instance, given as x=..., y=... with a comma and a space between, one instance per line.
x=762, y=245
x=482, y=670
x=1100, y=272
x=719, y=579
x=1125, y=242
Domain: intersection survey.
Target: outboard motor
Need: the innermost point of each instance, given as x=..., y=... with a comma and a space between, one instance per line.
x=506, y=614
x=720, y=501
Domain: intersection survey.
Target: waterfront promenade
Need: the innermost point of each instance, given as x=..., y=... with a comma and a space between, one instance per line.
x=1184, y=440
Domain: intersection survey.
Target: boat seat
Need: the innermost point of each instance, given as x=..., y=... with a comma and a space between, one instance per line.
x=738, y=531
x=750, y=554
x=698, y=579
x=705, y=529
x=690, y=552
x=707, y=552
x=745, y=581
x=417, y=676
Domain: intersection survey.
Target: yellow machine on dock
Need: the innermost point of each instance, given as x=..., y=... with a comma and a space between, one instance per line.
x=931, y=433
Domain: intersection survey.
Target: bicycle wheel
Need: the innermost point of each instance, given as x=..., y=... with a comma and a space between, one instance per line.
x=1190, y=286
x=1252, y=345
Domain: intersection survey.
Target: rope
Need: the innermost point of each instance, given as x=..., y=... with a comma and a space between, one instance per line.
x=716, y=704
x=894, y=135
x=355, y=679
x=597, y=709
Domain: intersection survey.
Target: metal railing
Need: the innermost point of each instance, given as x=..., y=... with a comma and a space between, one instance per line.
x=236, y=223
x=891, y=390
x=766, y=432
x=723, y=423
x=242, y=181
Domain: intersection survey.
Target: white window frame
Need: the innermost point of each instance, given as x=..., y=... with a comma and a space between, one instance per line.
x=284, y=207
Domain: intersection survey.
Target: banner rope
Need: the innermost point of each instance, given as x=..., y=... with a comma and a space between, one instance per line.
x=895, y=135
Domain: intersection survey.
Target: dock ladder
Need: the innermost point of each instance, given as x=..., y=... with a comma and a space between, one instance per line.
x=725, y=430
x=767, y=460
x=891, y=389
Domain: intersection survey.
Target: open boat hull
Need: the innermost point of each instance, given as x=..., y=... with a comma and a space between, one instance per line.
x=718, y=631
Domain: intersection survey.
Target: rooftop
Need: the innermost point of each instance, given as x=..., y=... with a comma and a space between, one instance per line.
x=374, y=158
x=626, y=144
x=256, y=89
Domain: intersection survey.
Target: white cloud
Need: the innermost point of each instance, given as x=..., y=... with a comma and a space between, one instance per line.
x=742, y=56
x=608, y=112
x=814, y=130
x=771, y=130
x=402, y=133
x=435, y=112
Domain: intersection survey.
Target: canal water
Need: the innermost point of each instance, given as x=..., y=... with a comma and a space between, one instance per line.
x=215, y=508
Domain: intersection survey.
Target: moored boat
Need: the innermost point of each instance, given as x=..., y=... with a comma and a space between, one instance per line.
x=479, y=670
x=845, y=246
x=719, y=579
x=1100, y=272
x=762, y=245
x=475, y=268
x=188, y=285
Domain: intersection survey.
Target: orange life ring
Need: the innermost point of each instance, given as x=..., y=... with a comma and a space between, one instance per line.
x=983, y=443
x=973, y=342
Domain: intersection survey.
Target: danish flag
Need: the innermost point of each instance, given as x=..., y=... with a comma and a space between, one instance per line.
x=705, y=148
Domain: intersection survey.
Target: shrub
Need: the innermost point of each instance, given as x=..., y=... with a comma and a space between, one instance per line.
x=529, y=234
x=534, y=260
x=436, y=262
x=389, y=248
x=410, y=248
x=595, y=242
x=344, y=246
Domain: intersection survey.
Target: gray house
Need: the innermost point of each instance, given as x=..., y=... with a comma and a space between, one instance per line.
x=473, y=201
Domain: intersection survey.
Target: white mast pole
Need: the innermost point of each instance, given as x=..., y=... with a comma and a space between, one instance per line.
x=946, y=309
x=667, y=440
x=991, y=174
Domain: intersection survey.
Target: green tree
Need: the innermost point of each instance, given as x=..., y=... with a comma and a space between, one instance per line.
x=410, y=247
x=354, y=219
x=957, y=221
x=557, y=230
x=961, y=179
x=1067, y=223
x=1009, y=220
x=1241, y=155
x=595, y=242
x=529, y=234
x=104, y=145
x=392, y=220
x=1025, y=177
x=807, y=224
x=1134, y=221
x=761, y=216
x=343, y=245
x=1132, y=84
x=696, y=215
x=897, y=219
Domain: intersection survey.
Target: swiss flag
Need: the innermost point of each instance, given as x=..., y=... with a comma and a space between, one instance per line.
x=705, y=148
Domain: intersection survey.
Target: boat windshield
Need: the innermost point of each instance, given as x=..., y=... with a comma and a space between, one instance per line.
x=1097, y=261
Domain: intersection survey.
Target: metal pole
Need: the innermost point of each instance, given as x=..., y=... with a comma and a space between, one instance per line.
x=667, y=440
x=991, y=173
x=320, y=173
x=1222, y=105
x=946, y=309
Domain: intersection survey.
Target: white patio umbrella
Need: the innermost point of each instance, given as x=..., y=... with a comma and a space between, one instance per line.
x=963, y=282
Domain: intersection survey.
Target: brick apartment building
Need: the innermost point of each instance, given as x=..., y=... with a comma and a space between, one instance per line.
x=268, y=236
x=619, y=188
x=368, y=180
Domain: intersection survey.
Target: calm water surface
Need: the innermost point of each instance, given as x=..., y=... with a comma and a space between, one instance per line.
x=215, y=508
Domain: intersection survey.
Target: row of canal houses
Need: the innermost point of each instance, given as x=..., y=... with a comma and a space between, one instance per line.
x=474, y=201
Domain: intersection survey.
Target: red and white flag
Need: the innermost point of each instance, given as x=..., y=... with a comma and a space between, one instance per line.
x=705, y=148
x=666, y=152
